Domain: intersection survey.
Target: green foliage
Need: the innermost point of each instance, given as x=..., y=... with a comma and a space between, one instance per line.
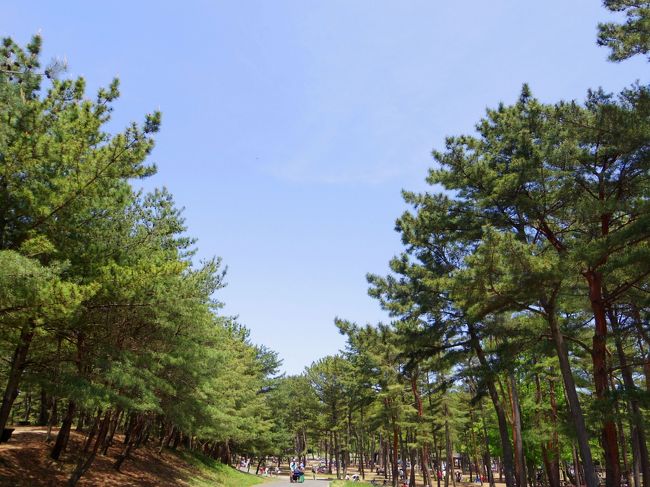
x=631, y=37
x=101, y=304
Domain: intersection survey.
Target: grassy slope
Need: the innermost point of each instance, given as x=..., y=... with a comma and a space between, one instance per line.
x=215, y=474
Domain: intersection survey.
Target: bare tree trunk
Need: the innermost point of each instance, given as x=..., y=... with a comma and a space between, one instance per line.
x=608, y=436
x=520, y=459
x=16, y=368
x=394, y=451
x=166, y=439
x=133, y=438
x=337, y=455
x=42, y=410
x=108, y=441
x=488, y=459
x=64, y=432
x=591, y=479
x=636, y=419
x=52, y=420
x=506, y=447
x=86, y=459
x=449, y=471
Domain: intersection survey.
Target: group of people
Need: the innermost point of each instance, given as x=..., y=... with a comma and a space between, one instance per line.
x=269, y=471
x=298, y=471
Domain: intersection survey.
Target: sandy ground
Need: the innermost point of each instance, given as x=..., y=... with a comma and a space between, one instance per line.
x=24, y=461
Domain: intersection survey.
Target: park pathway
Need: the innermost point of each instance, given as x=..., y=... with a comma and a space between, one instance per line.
x=312, y=483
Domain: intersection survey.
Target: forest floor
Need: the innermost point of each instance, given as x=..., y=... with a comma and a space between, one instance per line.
x=25, y=461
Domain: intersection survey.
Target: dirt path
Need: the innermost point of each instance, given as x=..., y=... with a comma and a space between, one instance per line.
x=313, y=483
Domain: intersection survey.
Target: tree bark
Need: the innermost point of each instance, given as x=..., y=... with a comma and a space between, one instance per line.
x=488, y=458
x=64, y=432
x=133, y=438
x=608, y=439
x=637, y=427
x=42, y=411
x=591, y=479
x=108, y=441
x=506, y=447
x=86, y=459
x=517, y=441
x=394, y=453
x=337, y=455
x=52, y=420
x=16, y=368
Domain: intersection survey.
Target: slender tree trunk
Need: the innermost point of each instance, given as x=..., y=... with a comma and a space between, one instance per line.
x=42, y=411
x=636, y=419
x=133, y=438
x=623, y=443
x=488, y=459
x=424, y=454
x=86, y=459
x=108, y=441
x=437, y=470
x=501, y=416
x=385, y=453
x=327, y=463
x=52, y=420
x=591, y=479
x=16, y=368
x=517, y=441
x=413, y=457
x=449, y=471
x=166, y=439
x=64, y=432
x=578, y=472
x=360, y=446
x=609, y=440
x=337, y=455
x=394, y=451
x=553, y=448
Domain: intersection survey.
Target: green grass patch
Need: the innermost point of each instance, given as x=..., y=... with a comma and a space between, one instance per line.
x=213, y=473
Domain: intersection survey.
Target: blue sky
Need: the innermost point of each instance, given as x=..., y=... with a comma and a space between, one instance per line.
x=290, y=127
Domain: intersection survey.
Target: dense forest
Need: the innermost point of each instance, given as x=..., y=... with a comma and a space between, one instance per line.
x=518, y=349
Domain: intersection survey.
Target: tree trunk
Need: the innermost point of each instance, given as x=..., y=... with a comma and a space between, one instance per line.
x=86, y=459
x=360, y=446
x=449, y=471
x=517, y=441
x=506, y=447
x=591, y=479
x=108, y=441
x=166, y=439
x=637, y=428
x=337, y=455
x=52, y=420
x=133, y=438
x=413, y=458
x=64, y=432
x=488, y=458
x=42, y=410
x=609, y=440
x=424, y=454
x=435, y=447
x=553, y=447
x=16, y=370
x=394, y=451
